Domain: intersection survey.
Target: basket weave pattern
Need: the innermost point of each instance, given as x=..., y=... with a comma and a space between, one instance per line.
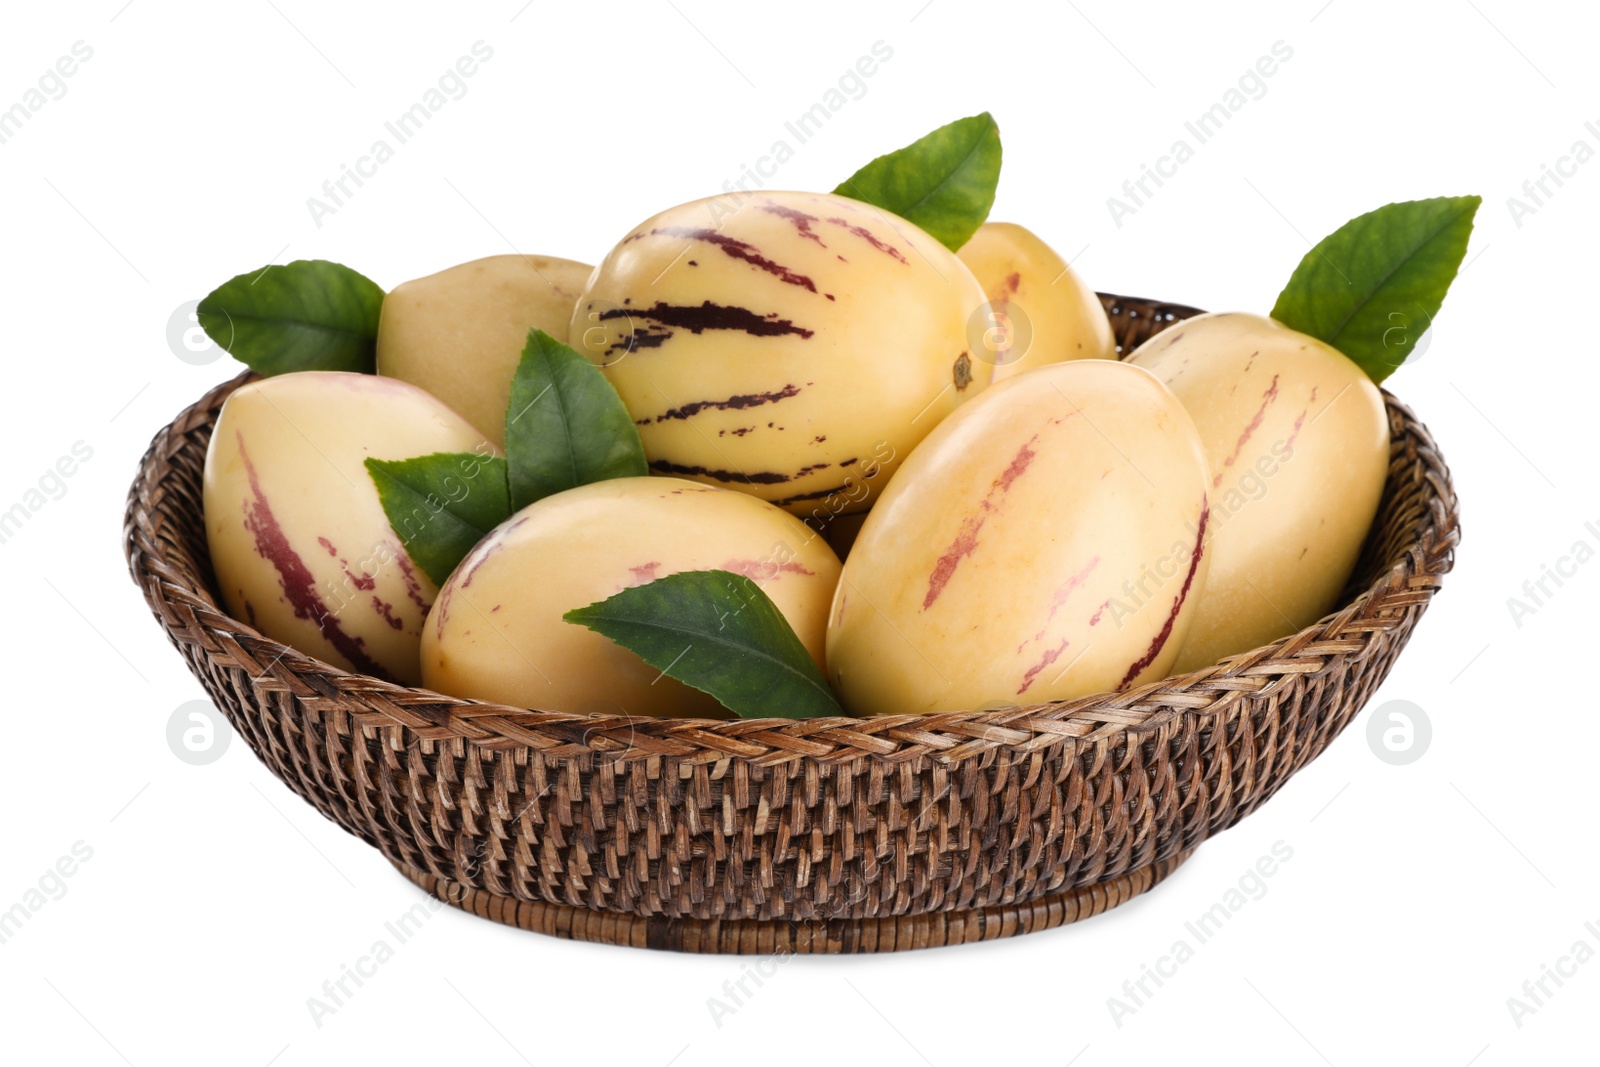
x=694, y=833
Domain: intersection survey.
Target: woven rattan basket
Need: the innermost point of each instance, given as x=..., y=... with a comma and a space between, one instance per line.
x=820, y=835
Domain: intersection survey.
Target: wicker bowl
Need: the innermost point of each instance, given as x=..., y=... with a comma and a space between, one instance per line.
x=819, y=835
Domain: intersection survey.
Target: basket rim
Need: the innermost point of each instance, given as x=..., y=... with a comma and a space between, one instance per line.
x=949, y=735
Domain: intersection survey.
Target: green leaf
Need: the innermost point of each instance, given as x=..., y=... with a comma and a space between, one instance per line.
x=944, y=182
x=1374, y=285
x=565, y=425
x=441, y=505
x=718, y=632
x=305, y=315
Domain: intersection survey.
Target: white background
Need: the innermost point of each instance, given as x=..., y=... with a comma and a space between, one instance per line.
x=1418, y=898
